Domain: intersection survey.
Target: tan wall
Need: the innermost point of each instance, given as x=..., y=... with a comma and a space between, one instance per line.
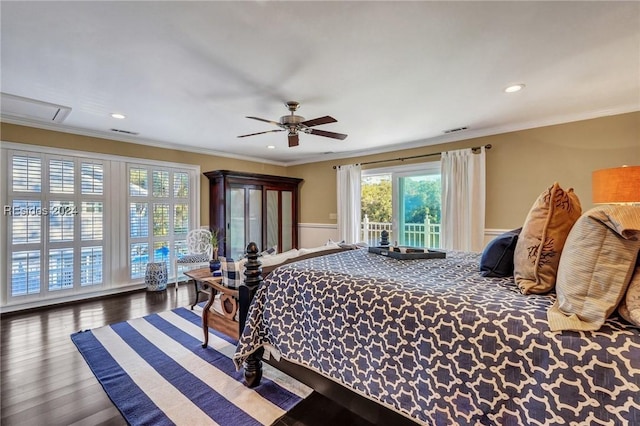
x=29, y=135
x=520, y=166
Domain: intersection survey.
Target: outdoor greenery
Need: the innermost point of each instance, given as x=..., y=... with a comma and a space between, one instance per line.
x=376, y=201
x=421, y=200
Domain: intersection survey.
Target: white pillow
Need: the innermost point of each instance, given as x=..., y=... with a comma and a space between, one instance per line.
x=303, y=251
x=278, y=258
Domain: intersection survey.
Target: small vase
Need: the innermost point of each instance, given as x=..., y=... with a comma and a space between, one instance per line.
x=214, y=264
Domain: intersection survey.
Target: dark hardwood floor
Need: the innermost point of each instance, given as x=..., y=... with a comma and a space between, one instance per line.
x=45, y=381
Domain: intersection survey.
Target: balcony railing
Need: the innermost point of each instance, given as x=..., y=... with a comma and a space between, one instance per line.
x=425, y=234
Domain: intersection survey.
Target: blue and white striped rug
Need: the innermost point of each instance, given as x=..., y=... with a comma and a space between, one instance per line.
x=156, y=372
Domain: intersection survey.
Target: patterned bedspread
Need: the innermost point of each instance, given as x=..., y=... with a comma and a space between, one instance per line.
x=438, y=342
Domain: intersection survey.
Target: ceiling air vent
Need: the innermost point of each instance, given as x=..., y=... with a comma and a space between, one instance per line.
x=31, y=109
x=124, y=132
x=457, y=129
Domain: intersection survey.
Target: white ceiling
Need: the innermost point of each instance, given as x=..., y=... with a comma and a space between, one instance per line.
x=394, y=74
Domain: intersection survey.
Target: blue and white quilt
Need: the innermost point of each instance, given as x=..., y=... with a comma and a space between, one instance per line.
x=439, y=343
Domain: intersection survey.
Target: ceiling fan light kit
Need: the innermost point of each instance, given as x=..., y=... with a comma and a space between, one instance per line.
x=294, y=124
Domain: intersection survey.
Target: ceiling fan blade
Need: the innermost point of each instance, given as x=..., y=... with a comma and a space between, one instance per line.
x=324, y=133
x=294, y=139
x=318, y=121
x=265, y=120
x=260, y=133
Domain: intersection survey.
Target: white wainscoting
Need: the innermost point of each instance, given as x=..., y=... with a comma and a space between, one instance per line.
x=316, y=234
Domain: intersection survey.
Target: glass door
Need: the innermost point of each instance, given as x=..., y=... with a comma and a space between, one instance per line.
x=404, y=201
x=286, y=205
x=418, y=209
x=272, y=220
x=245, y=219
x=279, y=219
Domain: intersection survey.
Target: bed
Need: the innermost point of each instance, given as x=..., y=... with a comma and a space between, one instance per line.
x=437, y=343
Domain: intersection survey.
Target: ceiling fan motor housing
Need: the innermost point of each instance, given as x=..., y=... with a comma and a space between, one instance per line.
x=291, y=120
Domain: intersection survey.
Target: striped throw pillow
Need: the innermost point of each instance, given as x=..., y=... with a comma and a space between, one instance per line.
x=595, y=268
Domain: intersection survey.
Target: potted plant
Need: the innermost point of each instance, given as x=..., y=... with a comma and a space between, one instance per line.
x=214, y=263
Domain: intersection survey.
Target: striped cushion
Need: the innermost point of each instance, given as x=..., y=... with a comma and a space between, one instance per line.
x=598, y=259
x=232, y=272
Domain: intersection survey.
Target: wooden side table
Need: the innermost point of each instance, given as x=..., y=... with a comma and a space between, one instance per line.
x=196, y=276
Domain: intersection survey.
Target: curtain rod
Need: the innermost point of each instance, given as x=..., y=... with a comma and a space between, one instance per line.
x=487, y=146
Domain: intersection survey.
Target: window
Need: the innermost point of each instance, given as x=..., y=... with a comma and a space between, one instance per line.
x=72, y=230
x=158, y=216
x=55, y=219
x=404, y=201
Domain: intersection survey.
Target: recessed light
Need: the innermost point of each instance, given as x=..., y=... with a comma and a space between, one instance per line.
x=271, y=147
x=514, y=88
x=118, y=116
x=456, y=129
x=126, y=132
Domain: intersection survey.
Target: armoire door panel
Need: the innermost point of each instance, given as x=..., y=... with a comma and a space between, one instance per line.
x=254, y=215
x=236, y=232
x=273, y=224
x=286, y=209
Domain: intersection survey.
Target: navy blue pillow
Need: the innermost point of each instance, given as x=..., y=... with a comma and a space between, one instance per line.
x=497, y=257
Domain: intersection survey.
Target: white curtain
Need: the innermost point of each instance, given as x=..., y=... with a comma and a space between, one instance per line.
x=463, y=200
x=349, y=182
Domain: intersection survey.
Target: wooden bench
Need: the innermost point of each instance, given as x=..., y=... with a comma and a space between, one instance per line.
x=222, y=319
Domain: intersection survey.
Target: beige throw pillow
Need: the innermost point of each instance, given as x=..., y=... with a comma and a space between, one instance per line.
x=629, y=307
x=542, y=238
x=598, y=260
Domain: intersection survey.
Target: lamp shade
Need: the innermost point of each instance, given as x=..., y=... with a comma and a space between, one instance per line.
x=617, y=185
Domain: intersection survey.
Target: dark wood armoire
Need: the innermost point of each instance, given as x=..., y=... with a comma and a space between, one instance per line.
x=248, y=207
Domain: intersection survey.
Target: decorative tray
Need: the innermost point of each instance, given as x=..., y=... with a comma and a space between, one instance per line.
x=406, y=253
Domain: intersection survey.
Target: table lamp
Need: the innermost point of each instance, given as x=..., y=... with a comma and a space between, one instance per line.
x=619, y=185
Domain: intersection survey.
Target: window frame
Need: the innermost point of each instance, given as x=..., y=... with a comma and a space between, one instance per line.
x=116, y=276
x=152, y=200
x=397, y=172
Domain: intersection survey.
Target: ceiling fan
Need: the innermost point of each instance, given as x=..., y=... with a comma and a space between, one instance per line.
x=294, y=124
